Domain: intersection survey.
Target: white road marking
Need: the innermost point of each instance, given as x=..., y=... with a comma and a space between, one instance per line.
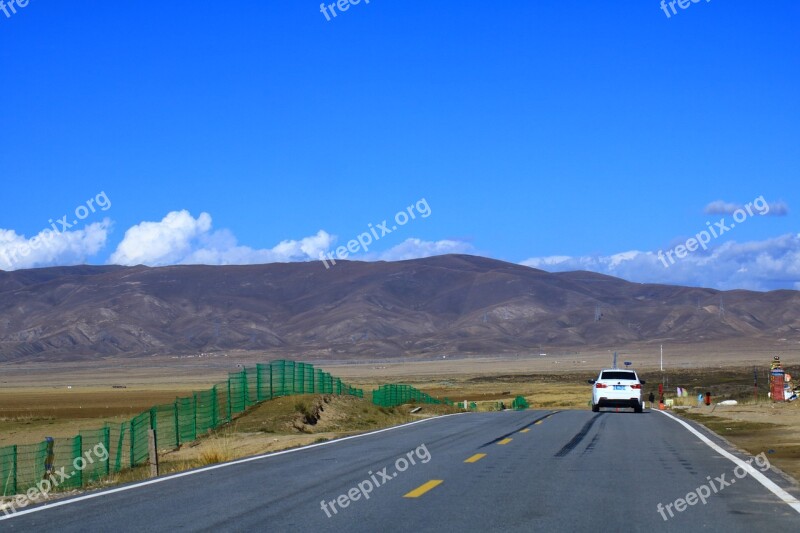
x=207, y=468
x=787, y=498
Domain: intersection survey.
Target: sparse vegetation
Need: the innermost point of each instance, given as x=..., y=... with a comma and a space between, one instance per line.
x=217, y=449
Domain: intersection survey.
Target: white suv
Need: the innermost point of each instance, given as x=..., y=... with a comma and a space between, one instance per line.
x=617, y=388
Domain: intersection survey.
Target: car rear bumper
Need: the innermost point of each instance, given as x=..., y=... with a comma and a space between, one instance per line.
x=618, y=402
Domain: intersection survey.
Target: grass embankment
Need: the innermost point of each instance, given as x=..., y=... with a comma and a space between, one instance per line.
x=279, y=424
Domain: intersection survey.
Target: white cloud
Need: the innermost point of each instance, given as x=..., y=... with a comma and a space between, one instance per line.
x=758, y=206
x=51, y=248
x=221, y=249
x=180, y=238
x=779, y=208
x=417, y=248
x=721, y=207
x=161, y=243
x=757, y=265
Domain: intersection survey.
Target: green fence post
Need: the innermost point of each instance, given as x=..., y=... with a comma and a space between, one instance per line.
x=132, y=431
x=246, y=388
x=300, y=372
x=284, y=390
x=214, y=406
x=194, y=403
x=177, y=425
x=271, y=390
x=107, y=444
x=230, y=412
x=79, y=441
x=14, y=466
x=288, y=377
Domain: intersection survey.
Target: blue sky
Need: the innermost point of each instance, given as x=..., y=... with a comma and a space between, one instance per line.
x=562, y=135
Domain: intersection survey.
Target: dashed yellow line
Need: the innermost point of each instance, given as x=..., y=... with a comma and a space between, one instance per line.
x=524, y=430
x=422, y=489
x=505, y=441
x=538, y=422
x=475, y=458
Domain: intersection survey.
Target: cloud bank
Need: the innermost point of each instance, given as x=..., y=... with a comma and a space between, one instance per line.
x=756, y=265
x=180, y=238
x=48, y=247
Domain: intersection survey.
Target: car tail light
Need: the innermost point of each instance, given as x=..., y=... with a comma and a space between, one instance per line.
x=601, y=385
x=637, y=386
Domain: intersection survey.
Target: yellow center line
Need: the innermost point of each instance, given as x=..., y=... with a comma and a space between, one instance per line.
x=475, y=458
x=538, y=422
x=422, y=489
x=504, y=441
x=525, y=430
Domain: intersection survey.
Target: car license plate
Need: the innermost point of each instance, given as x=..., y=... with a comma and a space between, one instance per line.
x=619, y=387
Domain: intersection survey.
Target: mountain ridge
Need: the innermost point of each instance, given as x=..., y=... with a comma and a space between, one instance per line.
x=450, y=304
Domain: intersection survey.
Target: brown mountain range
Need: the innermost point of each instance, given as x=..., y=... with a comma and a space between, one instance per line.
x=454, y=304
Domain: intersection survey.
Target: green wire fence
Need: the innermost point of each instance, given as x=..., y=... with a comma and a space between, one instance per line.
x=393, y=395
x=22, y=467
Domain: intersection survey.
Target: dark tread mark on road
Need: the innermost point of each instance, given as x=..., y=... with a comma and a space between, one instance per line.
x=511, y=433
x=687, y=465
x=568, y=447
x=591, y=445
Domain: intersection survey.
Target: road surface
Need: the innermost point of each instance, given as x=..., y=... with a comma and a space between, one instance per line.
x=506, y=471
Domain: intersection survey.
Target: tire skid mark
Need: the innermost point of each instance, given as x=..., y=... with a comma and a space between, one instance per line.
x=579, y=436
x=687, y=465
x=592, y=444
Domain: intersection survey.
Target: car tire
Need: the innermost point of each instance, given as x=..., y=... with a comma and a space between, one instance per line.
x=637, y=408
x=595, y=408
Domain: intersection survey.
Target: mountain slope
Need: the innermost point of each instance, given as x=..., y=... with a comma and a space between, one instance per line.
x=439, y=305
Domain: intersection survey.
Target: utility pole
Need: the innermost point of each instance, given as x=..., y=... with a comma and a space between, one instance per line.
x=662, y=357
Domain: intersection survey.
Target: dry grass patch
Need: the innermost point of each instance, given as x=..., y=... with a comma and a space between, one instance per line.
x=757, y=428
x=217, y=449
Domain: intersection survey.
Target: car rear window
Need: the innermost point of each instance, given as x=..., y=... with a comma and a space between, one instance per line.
x=618, y=375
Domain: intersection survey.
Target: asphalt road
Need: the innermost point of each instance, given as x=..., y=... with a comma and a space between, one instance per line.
x=529, y=471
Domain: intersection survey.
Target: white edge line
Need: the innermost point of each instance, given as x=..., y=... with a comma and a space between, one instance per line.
x=787, y=498
x=207, y=468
